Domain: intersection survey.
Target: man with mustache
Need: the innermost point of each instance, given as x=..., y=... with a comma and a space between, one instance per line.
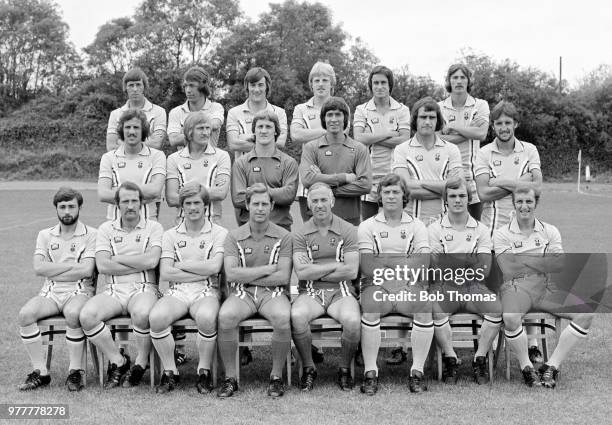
x=65, y=257
x=127, y=252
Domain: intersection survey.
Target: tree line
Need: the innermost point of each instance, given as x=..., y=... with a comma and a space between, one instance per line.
x=55, y=102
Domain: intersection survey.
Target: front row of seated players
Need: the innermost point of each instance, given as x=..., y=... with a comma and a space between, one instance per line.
x=325, y=256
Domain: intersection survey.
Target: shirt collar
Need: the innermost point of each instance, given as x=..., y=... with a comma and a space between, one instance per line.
x=145, y=151
x=406, y=218
x=146, y=107
x=445, y=222
x=415, y=142
x=514, y=227
x=252, y=154
x=182, y=228
x=207, y=105
x=310, y=227
x=244, y=231
x=117, y=223
x=393, y=104
x=469, y=102
x=518, y=146
x=185, y=153
x=80, y=229
x=348, y=142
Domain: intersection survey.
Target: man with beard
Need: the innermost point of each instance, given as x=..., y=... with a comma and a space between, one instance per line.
x=65, y=257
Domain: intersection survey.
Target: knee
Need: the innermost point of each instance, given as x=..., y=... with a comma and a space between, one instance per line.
x=351, y=324
x=140, y=318
x=370, y=317
x=280, y=320
x=424, y=317
x=228, y=319
x=26, y=317
x=299, y=319
x=88, y=317
x=158, y=321
x=72, y=317
x=206, y=320
x=437, y=316
x=512, y=321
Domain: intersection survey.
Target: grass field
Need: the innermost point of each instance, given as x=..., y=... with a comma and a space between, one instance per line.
x=583, y=395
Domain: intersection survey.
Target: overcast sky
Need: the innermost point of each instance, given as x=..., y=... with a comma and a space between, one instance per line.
x=428, y=36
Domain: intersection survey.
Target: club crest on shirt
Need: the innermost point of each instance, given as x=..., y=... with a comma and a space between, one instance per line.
x=451, y=118
x=266, y=249
x=537, y=242
x=187, y=166
x=248, y=251
x=314, y=247
x=328, y=153
x=391, y=120
x=182, y=244
x=72, y=247
x=311, y=116
x=518, y=244
x=139, y=164
x=118, y=239
x=54, y=246
x=448, y=238
x=375, y=120
x=516, y=160
x=437, y=157
x=468, y=237
x=466, y=116
x=202, y=244
x=332, y=241
x=403, y=234
x=419, y=157
x=497, y=163
x=248, y=120
x=384, y=234
x=138, y=237
x=206, y=163
x=256, y=169
x=121, y=164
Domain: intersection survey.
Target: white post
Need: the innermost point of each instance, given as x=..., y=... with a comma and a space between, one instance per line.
x=579, y=167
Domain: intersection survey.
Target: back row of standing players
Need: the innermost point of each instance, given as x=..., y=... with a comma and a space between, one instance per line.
x=445, y=144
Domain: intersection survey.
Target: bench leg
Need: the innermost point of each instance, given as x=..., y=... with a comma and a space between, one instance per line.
x=50, y=347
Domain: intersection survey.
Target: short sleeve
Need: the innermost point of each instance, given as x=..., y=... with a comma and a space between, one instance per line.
x=403, y=119
x=454, y=157
x=534, y=158
x=217, y=112
x=351, y=243
x=172, y=171
x=103, y=237
x=282, y=119
x=113, y=122
x=399, y=158
x=554, y=240
x=159, y=119
x=482, y=113
x=230, y=246
x=90, y=243
x=106, y=166
x=224, y=166
x=364, y=236
x=360, y=118
x=482, y=164
x=286, y=246
x=299, y=243
x=485, y=244
x=158, y=162
x=168, y=244
x=434, y=232
x=232, y=121
x=157, y=234
x=501, y=242
x=42, y=242
x=421, y=235
x=219, y=237
x=174, y=121
x=298, y=116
